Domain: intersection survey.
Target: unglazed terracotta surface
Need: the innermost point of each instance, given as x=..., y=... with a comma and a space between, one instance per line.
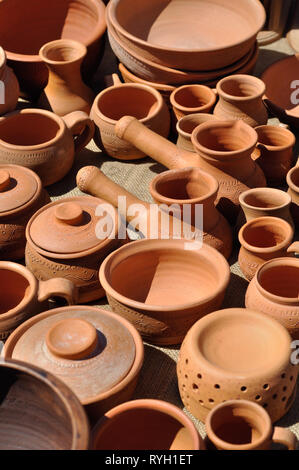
x=95, y=352
x=236, y=354
x=167, y=33
x=44, y=142
x=39, y=412
x=293, y=183
x=190, y=99
x=10, y=90
x=186, y=125
x=167, y=428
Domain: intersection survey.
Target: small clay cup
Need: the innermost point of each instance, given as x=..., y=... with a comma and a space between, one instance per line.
x=263, y=239
x=186, y=125
x=22, y=296
x=146, y=425
x=190, y=99
x=293, y=183
x=243, y=425
x=274, y=152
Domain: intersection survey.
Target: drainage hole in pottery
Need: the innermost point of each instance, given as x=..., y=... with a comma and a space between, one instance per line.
x=186, y=361
x=291, y=378
x=217, y=386
x=283, y=376
x=201, y=402
x=243, y=389
x=186, y=376
x=199, y=376
x=266, y=387
x=183, y=385
x=211, y=400
x=265, y=405
x=258, y=398
x=283, y=398
x=274, y=396
x=284, y=389
x=195, y=387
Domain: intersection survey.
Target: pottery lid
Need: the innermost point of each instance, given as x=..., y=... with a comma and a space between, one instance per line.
x=90, y=349
x=19, y=186
x=69, y=226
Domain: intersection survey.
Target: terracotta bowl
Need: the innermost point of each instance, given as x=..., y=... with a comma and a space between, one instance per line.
x=293, y=183
x=39, y=412
x=37, y=23
x=164, y=286
x=167, y=428
x=167, y=32
x=237, y=354
x=190, y=99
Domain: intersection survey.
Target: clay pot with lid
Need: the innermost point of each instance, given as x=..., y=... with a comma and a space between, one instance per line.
x=190, y=99
x=122, y=99
x=240, y=97
x=293, y=184
x=186, y=125
x=44, y=142
x=21, y=195
x=9, y=86
x=167, y=428
x=274, y=290
x=96, y=353
x=223, y=149
x=63, y=241
x=237, y=354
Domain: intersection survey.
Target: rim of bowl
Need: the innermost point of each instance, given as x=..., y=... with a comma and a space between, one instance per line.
x=204, y=107
x=80, y=48
x=281, y=129
x=266, y=190
x=249, y=78
x=290, y=182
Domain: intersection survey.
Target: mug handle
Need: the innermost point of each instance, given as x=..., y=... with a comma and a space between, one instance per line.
x=58, y=287
x=116, y=80
x=285, y=437
x=293, y=248
x=80, y=125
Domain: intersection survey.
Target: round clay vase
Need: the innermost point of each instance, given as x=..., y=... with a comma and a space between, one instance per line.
x=96, y=353
x=38, y=411
x=44, y=142
x=164, y=286
x=22, y=296
x=9, y=86
x=186, y=125
x=65, y=240
x=274, y=290
x=65, y=92
x=263, y=239
x=293, y=184
x=274, y=152
x=167, y=428
x=243, y=425
x=191, y=194
x=21, y=195
x=237, y=354
x=190, y=99
x=240, y=97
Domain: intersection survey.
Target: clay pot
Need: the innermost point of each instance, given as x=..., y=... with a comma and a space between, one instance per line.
x=223, y=149
x=169, y=284
x=21, y=196
x=240, y=97
x=274, y=152
x=9, y=86
x=167, y=428
x=243, y=425
x=186, y=125
x=293, y=183
x=65, y=92
x=235, y=354
x=274, y=291
x=95, y=352
x=134, y=99
x=263, y=239
x=63, y=240
x=168, y=33
x=190, y=99
x=39, y=412
x=198, y=189
x=22, y=296
x=44, y=142
x=80, y=20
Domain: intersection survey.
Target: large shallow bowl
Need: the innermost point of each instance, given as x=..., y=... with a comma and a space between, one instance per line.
x=26, y=26
x=188, y=35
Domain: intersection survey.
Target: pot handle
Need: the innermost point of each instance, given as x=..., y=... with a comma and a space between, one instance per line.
x=58, y=287
x=285, y=437
x=293, y=248
x=116, y=80
x=80, y=125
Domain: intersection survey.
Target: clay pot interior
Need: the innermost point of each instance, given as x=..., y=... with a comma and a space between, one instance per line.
x=280, y=279
x=265, y=198
x=14, y=289
x=63, y=53
x=240, y=86
x=293, y=178
x=29, y=129
x=194, y=97
x=266, y=232
x=275, y=136
x=187, y=124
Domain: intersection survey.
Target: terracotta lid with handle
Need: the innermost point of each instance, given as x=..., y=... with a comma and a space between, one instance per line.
x=90, y=349
x=19, y=188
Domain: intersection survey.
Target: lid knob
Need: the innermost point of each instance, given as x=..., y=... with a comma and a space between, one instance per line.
x=69, y=212
x=4, y=180
x=72, y=338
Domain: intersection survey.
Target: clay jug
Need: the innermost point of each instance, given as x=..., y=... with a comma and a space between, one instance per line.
x=223, y=149
x=9, y=86
x=65, y=92
x=240, y=97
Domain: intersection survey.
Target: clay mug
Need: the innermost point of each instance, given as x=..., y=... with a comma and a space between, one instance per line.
x=44, y=142
x=190, y=99
x=240, y=97
x=293, y=184
x=186, y=125
x=274, y=152
x=244, y=425
x=22, y=296
x=135, y=99
x=263, y=239
x=9, y=86
x=65, y=91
